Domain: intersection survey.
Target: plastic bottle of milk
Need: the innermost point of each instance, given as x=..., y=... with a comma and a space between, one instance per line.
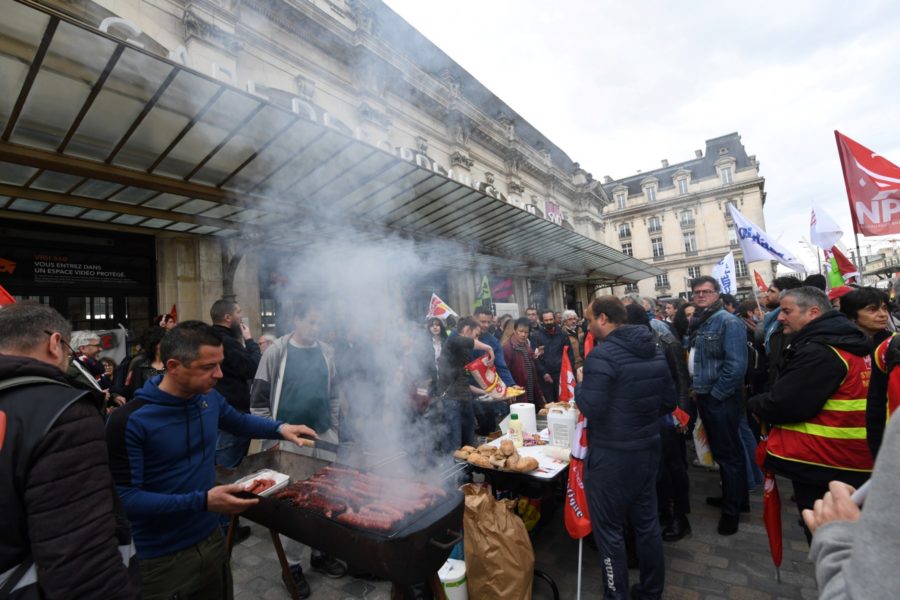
x=515, y=430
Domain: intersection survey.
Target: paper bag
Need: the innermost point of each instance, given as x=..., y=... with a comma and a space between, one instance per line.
x=499, y=556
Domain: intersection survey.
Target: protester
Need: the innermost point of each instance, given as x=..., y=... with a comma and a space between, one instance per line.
x=867, y=308
x=681, y=323
x=490, y=412
x=147, y=363
x=166, y=321
x=550, y=341
x=45, y=552
x=884, y=391
x=162, y=455
x=672, y=483
x=521, y=360
x=508, y=330
x=570, y=328
x=854, y=550
x=264, y=341
x=532, y=314
x=730, y=303
x=771, y=333
x=671, y=308
x=297, y=381
x=815, y=406
x=109, y=367
x=625, y=387
x=438, y=335
x=718, y=361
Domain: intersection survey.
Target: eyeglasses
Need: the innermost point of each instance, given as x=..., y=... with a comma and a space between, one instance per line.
x=705, y=292
x=63, y=342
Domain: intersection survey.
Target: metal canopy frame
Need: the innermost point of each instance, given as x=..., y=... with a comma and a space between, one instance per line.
x=105, y=132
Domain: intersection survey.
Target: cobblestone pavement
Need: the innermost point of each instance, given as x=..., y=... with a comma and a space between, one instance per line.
x=705, y=566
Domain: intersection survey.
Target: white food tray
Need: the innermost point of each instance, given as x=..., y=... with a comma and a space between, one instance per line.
x=281, y=480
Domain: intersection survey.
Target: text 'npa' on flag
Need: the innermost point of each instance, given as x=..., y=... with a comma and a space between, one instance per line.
x=873, y=188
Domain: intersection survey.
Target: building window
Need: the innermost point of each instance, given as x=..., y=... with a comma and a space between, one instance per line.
x=620, y=200
x=627, y=250
x=654, y=225
x=727, y=175
x=631, y=288
x=624, y=230
x=682, y=187
x=650, y=192
x=740, y=267
x=694, y=272
x=732, y=236
x=657, y=245
x=690, y=242
x=662, y=281
x=686, y=218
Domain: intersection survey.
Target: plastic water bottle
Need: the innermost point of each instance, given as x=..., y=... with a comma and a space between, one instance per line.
x=515, y=430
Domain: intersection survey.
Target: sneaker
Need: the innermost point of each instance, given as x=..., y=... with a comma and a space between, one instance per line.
x=300, y=582
x=728, y=525
x=328, y=566
x=717, y=502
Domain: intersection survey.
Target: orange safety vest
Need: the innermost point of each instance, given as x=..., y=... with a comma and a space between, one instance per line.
x=836, y=437
x=893, y=389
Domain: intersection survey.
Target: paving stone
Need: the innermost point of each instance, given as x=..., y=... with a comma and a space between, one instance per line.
x=710, y=560
x=745, y=593
x=674, y=592
x=728, y=576
x=686, y=566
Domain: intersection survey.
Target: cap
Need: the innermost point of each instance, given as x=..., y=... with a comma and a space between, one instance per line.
x=837, y=292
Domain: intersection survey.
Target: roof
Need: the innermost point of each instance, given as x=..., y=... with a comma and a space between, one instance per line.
x=726, y=146
x=100, y=131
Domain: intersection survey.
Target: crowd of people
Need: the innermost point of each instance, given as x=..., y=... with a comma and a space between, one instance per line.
x=808, y=371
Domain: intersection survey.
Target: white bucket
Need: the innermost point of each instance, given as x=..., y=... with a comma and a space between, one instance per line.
x=561, y=423
x=453, y=579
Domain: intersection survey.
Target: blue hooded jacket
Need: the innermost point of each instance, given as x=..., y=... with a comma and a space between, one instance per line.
x=162, y=452
x=627, y=387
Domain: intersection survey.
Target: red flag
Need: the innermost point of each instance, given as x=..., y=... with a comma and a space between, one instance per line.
x=174, y=313
x=760, y=284
x=5, y=297
x=848, y=270
x=503, y=290
x=588, y=343
x=578, y=521
x=771, y=509
x=873, y=188
x=566, y=378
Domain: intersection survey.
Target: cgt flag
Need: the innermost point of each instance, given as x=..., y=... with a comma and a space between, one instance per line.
x=873, y=188
x=757, y=245
x=760, y=284
x=566, y=378
x=578, y=521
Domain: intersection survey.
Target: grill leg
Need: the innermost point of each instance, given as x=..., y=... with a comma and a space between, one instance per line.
x=285, y=568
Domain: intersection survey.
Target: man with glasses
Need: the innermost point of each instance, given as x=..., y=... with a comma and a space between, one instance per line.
x=86, y=370
x=64, y=533
x=717, y=362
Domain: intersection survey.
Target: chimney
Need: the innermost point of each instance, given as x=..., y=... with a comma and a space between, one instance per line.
x=665, y=162
x=698, y=153
x=607, y=179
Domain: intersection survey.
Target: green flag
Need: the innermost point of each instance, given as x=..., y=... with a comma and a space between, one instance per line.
x=483, y=299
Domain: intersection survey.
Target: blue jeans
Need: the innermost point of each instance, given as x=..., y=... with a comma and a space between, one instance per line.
x=749, y=443
x=460, y=423
x=722, y=419
x=231, y=449
x=620, y=486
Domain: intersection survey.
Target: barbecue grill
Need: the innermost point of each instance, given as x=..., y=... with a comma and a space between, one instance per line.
x=411, y=553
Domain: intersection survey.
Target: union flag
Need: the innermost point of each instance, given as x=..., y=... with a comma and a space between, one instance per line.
x=873, y=188
x=566, y=378
x=577, y=518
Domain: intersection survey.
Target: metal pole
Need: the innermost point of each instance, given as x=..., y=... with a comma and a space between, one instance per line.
x=859, y=258
x=578, y=585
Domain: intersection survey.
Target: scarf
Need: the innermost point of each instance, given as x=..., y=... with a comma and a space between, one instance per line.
x=525, y=351
x=700, y=317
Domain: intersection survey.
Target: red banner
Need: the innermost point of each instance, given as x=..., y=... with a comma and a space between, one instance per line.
x=760, y=284
x=873, y=188
x=5, y=297
x=566, y=378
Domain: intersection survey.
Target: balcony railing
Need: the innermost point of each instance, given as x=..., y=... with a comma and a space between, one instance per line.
x=662, y=286
x=654, y=229
x=659, y=258
x=624, y=235
x=688, y=224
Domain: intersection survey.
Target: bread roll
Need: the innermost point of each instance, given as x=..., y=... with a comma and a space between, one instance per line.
x=507, y=448
x=498, y=460
x=543, y=412
x=487, y=449
x=461, y=454
x=511, y=461
x=479, y=460
x=469, y=449
x=526, y=464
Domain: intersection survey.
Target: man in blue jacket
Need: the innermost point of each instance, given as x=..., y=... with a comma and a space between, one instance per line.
x=162, y=448
x=717, y=362
x=625, y=387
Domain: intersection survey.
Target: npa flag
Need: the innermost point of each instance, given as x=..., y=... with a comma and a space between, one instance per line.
x=566, y=378
x=757, y=245
x=5, y=297
x=724, y=274
x=503, y=290
x=823, y=231
x=760, y=284
x=484, y=299
x=578, y=521
x=439, y=309
x=873, y=188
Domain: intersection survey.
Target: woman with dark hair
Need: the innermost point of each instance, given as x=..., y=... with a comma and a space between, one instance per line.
x=681, y=323
x=146, y=364
x=521, y=361
x=868, y=308
x=437, y=333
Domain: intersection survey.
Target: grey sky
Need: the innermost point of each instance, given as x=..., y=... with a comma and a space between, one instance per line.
x=620, y=85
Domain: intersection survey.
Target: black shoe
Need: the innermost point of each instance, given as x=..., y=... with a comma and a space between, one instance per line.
x=635, y=593
x=300, y=582
x=677, y=529
x=728, y=524
x=328, y=566
x=241, y=534
x=717, y=502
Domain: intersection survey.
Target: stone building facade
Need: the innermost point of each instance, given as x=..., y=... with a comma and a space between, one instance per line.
x=675, y=217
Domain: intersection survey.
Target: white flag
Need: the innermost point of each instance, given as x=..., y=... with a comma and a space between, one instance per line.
x=823, y=231
x=724, y=274
x=757, y=245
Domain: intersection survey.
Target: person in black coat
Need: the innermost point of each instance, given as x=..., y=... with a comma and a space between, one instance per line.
x=624, y=388
x=548, y=341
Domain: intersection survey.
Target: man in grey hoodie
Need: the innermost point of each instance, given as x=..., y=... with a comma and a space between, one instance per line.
x=854, y=550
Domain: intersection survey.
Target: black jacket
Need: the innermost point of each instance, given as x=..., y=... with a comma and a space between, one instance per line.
x=551, y=360
x=810, y=373
x=238, y=368
x=627, y=387
x=59, y=505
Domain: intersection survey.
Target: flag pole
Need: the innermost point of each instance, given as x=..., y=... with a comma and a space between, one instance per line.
x=578, y=585
x=859, y=258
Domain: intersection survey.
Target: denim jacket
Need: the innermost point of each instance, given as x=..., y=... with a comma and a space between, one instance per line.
x=720, y=356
